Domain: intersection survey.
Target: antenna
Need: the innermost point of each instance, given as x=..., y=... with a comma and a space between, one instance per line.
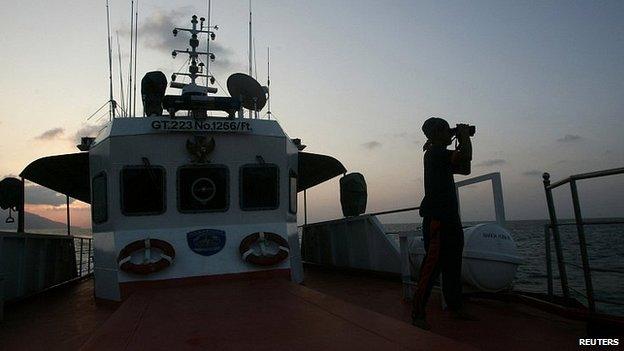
x=110, y=67
x=208, y=42
x=250, y=48
x=136, y=47
x=121, y=89
x=248, y=90
x=268, y=82
x=257, y=113
x=254, y=60
x=130, y=66
x=195, y=69
x=250, y=39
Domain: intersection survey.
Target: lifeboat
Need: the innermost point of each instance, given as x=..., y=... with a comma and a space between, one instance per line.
x=490, y=257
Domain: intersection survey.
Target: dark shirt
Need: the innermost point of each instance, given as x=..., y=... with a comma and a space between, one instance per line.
x=440, y=201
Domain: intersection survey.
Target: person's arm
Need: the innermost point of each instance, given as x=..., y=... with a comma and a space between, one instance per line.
x=463, y=154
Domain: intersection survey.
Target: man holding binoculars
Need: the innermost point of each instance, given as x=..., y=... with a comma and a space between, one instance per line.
x=442, y=229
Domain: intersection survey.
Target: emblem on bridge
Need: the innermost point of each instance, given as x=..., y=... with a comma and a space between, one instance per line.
x=200, y=148
x=206, y=242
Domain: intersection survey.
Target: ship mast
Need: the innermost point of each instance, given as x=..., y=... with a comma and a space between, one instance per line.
x=268, y=86
x=208, y=37
x=250, y=51
x=130, y=63
x=196, y=67
x=112, y=103
x=136, y=36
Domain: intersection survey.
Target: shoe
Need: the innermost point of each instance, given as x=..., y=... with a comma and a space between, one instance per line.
x=463, y=316
x=420, y=322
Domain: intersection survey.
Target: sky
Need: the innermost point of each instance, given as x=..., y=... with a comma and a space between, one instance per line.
x=542, y=81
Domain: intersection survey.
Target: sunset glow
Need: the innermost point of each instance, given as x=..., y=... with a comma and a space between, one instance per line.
x=542, y=82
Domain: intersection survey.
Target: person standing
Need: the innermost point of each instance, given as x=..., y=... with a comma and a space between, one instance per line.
x=442, y=230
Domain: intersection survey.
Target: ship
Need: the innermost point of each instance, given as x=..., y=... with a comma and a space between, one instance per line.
x=195, y=244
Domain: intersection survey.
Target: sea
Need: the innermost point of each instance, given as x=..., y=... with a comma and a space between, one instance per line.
x=605, y=247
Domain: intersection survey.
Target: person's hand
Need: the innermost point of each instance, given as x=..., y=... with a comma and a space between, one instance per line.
x=463, y=131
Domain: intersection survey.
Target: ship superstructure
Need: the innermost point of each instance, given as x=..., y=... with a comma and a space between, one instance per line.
x=193, y=190
x=193, y=196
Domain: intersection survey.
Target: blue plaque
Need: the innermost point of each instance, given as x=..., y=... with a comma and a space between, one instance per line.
x=206, y=242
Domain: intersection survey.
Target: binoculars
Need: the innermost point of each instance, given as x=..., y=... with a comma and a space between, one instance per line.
x=471, y=130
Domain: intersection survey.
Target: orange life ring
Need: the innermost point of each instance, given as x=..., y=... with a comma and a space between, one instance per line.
x=166, y=258
x=253, y=249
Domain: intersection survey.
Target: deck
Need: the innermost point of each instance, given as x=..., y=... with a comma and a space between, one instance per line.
x=333, y=310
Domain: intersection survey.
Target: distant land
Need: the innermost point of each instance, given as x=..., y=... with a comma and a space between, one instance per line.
x=32, y=221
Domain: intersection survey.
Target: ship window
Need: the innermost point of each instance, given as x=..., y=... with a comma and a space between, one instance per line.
x=203, y=189
x=292, y=186
x=99, y=199
x=142, y=190
x=259, y=187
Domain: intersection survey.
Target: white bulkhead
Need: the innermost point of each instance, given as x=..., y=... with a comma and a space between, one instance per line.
x=174, y=180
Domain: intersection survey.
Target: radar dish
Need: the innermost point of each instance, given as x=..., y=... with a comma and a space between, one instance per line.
x=244, y=87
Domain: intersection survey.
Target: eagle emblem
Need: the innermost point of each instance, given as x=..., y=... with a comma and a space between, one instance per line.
x=200, y=148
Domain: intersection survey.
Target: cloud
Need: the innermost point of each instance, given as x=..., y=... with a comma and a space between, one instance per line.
x=569, y=138
x=51, y=134
x=38, y=195
x=87, y=130
x=533, y=172
x=155, y=32
x=372, y=145
x=490, y=163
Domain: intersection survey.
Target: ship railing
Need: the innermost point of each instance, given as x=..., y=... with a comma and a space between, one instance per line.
x=497, y=192
x=403, y=236
x=34, y=263
x=552, y=230
x=83, y=246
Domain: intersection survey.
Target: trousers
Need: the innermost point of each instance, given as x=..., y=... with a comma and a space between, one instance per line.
x=444, y=243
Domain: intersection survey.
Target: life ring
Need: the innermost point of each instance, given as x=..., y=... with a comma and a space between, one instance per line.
x=148, y=266
x=264, y=249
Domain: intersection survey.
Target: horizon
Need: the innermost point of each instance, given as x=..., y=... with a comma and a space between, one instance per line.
x=560, y=220
x=543, y=83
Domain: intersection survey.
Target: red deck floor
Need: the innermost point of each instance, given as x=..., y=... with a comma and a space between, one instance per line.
x=332, y=311
x=501, y=326
x=60, y=319
x=254, y=315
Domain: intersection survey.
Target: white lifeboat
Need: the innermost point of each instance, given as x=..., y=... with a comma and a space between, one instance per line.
x=490, y=257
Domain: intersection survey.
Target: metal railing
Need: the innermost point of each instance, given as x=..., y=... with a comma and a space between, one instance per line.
x=35, y=263
x=580, y=229
x=83, y=247
x=497, y=193
x=367, y=214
